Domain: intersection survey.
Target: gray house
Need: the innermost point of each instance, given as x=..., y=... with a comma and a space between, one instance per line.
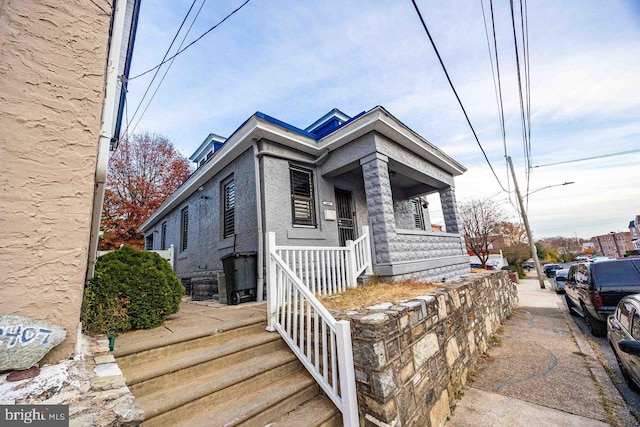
x=314, y=187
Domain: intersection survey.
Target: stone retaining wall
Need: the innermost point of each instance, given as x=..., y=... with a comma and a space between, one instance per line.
x=411, y=358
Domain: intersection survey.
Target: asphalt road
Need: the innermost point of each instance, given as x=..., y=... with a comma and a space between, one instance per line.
x=611, y=366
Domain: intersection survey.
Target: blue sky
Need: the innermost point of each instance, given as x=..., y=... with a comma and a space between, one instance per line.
x=297, y=60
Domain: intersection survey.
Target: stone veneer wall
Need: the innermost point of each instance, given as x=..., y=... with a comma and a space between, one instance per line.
x=412, y=357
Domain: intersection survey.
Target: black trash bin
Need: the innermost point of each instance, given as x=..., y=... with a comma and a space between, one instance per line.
x=240, y=276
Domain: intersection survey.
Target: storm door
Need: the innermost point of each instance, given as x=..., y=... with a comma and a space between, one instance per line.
x=346, y=216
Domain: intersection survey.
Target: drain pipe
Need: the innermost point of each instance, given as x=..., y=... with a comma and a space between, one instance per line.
x=106, y=130
x=260, y=260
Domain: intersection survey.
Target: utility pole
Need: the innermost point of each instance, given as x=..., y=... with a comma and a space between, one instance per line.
x=523, y=213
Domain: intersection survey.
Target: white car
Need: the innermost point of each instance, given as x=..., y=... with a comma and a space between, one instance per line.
x=557, y=283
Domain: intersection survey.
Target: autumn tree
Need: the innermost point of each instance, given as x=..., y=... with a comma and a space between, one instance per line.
x=143, y=172
x=518, y=250
x=481, y=223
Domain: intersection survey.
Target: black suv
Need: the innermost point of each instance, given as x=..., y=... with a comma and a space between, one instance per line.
x=594, y=289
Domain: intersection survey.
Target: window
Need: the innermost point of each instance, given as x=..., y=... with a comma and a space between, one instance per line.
x=148, y=242
x=624, y=315
x=418, y=216
x=163, y=236
x=302, y=203
x=228, y=208
x=635, y=328
x=184, y=229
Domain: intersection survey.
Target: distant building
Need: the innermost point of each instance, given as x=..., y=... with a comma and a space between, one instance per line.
x=634, y=229
x=613, y=245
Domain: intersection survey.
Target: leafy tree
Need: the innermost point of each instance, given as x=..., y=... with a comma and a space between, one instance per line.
x=481, y=222
x=143, y=172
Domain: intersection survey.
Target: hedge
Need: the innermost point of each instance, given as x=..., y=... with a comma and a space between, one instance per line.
x=131, y=290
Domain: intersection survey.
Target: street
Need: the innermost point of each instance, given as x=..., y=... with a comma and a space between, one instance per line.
x=602, y=348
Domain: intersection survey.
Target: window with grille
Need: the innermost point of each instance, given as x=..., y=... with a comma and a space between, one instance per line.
x=418, y=215
x=163, y=236
x=148, y=243
x=302, y=203
x=184, y=229
x=228, y=209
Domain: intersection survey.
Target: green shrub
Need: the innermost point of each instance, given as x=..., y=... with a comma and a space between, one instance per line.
x=131, y=290
x=517, y=268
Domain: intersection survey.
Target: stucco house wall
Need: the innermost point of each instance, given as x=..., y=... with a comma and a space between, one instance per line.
x=52, y=67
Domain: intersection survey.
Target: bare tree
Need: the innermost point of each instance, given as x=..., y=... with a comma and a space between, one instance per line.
x=482, y=220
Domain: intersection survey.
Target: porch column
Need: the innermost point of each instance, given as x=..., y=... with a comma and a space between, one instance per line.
x=379, y=205
x=449, y=209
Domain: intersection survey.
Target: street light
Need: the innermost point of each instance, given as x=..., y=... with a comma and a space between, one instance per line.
x=549, y=186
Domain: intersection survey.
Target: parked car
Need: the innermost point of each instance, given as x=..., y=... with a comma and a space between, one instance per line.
x=550, y=270
x=557, y=283
x=528, y=266
x=623, y=334
x=593, y=290
x=580, y=258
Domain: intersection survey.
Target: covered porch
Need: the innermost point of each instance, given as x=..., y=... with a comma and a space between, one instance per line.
x=395, y=182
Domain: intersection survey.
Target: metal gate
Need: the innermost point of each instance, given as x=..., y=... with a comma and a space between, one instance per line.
x=346, y=216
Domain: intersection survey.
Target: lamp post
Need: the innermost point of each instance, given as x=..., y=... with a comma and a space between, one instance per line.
x=525, y=220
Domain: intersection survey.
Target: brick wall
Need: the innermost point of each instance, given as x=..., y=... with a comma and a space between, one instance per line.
x=412, y=357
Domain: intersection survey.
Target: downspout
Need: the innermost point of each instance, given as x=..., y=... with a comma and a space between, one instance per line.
x=107, y=124
x=260, y=260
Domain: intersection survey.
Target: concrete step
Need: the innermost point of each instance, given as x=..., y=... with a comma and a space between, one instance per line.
x=166, y=346
x=247, y=407
x=193, y=355
x=317, y=412
x=227, y=370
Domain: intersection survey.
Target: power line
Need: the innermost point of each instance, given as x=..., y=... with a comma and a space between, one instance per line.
x=192, y=43
x=497, y=86
x=166, y=71
x=620, y=153
x=100, y=7
x=158, y=68
x=424, y=25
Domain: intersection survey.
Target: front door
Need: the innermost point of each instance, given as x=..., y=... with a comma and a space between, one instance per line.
x=346, y=216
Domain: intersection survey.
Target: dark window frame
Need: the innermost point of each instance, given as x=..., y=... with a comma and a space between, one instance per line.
x=303, y=204
x=163, y=235
x=148, y=242
x=418, y=214
x=184, y=229
x=228, y=204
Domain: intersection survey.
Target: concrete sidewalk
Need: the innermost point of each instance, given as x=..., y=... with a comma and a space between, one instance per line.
x=542, y=371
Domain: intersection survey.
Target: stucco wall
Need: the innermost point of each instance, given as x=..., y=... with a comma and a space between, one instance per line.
x=412, y=357
x=52, y=64
x=205, y=244
x=277, y=203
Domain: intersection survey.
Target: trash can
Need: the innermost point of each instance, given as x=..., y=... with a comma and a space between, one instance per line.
x=240, y=276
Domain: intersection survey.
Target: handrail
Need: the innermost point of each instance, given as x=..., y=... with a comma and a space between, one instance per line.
x=322, y=343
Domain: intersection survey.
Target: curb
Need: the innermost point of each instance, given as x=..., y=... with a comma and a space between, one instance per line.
x=622, y=416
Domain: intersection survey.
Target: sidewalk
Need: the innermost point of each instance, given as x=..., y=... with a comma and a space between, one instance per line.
x=542, y=372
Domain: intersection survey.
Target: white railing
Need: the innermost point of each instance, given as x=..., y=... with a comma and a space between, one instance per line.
x=167, y=254
x=329, y=270
x=322, y=343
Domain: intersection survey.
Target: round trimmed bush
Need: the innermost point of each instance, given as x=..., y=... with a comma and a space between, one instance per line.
x=131, y=290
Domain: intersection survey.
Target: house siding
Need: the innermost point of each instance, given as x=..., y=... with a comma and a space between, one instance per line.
x=206, y=246
x=277, y=204
x=52, y=78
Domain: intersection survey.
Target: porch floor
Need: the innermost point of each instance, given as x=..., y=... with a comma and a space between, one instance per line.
x=194, y=320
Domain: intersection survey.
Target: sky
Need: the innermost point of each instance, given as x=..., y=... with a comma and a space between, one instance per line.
x=297, y=60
